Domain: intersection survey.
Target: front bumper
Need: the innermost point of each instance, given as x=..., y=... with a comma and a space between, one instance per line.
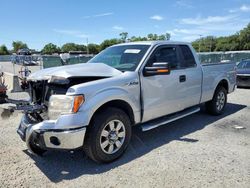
x=50, y=138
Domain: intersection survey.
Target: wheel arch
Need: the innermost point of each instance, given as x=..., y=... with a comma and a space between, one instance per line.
x=224, y=83
x=120, y=104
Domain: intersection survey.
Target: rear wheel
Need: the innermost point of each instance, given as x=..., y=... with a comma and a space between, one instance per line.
x=108, y=135
x=217, y=105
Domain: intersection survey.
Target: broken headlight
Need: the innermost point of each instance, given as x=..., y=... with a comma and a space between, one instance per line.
x=58, y=80
x=63, y=104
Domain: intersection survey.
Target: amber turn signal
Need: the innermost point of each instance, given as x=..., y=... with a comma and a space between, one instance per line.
x=78, y=100
x=162, y=70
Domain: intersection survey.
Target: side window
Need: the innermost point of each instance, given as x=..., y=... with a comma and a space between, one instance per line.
x=188, y=57
x=165, y=54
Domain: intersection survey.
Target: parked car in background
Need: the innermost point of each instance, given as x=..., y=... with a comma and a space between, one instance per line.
x=24, y=51
x=95, y=104
x=243, y=73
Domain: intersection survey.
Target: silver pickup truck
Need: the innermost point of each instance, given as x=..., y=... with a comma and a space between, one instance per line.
x=94, y=105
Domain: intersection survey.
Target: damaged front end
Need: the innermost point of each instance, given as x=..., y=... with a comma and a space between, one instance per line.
x=44, y=125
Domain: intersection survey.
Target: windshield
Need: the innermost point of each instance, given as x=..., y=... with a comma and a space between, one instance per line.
x=123, y=58
x=244, y=65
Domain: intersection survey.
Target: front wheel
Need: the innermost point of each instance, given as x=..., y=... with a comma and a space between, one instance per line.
x=217, y=105
x=34, y=146
x=108, y=135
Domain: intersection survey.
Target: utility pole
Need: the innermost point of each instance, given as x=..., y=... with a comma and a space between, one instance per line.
x=211, y=44
x=87, y=41
x=200, y=44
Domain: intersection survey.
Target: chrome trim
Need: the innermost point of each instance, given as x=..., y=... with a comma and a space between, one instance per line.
x=68, y=139
x=243, y=75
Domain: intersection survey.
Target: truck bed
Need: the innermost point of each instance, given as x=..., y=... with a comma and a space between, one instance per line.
x=212, y=74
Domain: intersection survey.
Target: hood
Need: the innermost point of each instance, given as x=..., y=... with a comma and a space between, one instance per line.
x=243, y=71
x=78, y=70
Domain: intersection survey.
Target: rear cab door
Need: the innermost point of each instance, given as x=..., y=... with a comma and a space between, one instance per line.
x=191, y=77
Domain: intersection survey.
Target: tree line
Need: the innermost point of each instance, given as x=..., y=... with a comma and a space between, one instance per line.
x=237, y=41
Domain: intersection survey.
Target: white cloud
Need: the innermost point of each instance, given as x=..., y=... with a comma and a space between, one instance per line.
x=99, y=15
x=190, y=31
x=245, y=8
x=157, y=17
x=74, y=33
x=117, y=27
x=183, y=3
x=190, y=38
x=192, y=28
x=172, y=33
x=187, y=33
x=208, y=20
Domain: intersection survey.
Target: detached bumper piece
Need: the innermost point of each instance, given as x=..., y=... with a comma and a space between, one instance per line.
x=50, y=138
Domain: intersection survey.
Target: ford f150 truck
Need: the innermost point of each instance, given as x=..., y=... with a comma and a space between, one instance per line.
x=94, y=105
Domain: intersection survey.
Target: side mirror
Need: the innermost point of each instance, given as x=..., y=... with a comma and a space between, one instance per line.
x=158, y=68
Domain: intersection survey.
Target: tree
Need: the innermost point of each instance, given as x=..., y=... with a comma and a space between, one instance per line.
x=124, y=36
x=93, y=48
x=150, y=36
x=50, y=49
x=73, y=47
x=4, y=50
x=110, y=42
x=244, y=38
x=168, y=36
x=17, y=45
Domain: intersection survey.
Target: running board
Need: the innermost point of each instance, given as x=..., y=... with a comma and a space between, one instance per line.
x=167, y=119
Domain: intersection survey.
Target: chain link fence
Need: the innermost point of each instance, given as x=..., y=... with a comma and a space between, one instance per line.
x=55, y=60
x=213, y=57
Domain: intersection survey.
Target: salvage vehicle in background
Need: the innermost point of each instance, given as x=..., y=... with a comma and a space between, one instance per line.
x=94, y=105
x=243, y=73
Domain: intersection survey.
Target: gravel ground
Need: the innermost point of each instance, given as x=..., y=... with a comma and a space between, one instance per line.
x=197, y=151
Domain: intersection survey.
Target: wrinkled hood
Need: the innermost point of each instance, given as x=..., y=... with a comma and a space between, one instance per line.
x=78, y=70
x=243, y=71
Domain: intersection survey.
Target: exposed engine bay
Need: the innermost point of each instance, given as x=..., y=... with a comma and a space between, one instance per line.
x=40, y=91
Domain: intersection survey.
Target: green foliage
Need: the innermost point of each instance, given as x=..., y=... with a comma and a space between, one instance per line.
x=134, y=39
x=110, y=42
x=124, y=36
x=73, y=47
x=17, y=45
x=93, y=48
x=151, y=37
x=244, y=38
x=238, y=41
x=50, y=49
x=4, y=50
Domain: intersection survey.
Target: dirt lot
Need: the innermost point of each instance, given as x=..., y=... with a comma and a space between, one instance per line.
x=197, y=151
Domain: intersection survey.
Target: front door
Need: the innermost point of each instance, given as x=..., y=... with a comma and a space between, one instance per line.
x=163, y=94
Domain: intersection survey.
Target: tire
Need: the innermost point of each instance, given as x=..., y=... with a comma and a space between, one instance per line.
x=33, y=146
x=108, y=135
x=217, y=105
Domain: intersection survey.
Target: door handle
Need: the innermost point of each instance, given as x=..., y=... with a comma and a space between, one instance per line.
x=182, y=78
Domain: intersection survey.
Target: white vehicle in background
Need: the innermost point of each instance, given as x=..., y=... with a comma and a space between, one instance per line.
x=94, y=105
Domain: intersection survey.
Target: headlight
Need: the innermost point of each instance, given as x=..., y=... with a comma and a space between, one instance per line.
x=63, y=104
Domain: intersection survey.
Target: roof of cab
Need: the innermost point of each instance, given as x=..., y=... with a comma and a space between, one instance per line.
x=153, y=43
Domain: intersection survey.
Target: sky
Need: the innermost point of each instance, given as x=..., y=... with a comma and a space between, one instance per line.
x=60, y=21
